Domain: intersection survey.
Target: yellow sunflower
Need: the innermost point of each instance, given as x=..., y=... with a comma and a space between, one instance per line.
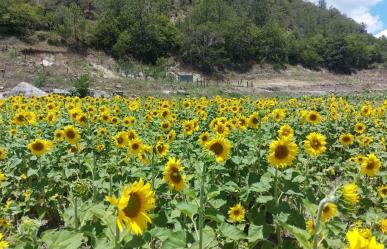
x=121, y=139
x=204, y=138
x=382, y=191
x=383, y=226
x=236, y=213
x=309, y=226
x=162, y=149
x=282, y=152
x=371, y=165
x=350, y=193
x=135, y=147
x=3, y=243
x=221, y=129
x=133, y=206
x=329, y=211
x=3, y=153
x=286, y=131
x=253, y=121
x=313, y=117
x=71, y=134
x=58, y=135
x=356, y=240
x=171, y=136
x=220, y=147
x=346, y=139
x=315, y=144
x=360, y=128
x=2, y=176
x=173, y=174
x=39, y=147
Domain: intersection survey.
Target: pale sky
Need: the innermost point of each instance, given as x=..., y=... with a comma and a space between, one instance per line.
x=371, y=12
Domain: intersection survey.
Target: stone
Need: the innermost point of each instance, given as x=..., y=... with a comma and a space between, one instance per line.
x=60, y=91
x=27, y=90
x=99, y=94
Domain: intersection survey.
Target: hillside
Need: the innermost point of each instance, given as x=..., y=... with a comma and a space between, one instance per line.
x=53, y=67
x=208, y=36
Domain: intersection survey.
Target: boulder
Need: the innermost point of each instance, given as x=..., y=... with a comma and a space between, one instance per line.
x=61, y=91
x=100, y=94
x=27, y=90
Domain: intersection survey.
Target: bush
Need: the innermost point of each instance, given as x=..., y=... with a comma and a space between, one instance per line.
x=81, y=86
x=41, y=79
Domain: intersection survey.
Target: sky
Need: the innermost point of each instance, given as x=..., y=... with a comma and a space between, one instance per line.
x=372, y=12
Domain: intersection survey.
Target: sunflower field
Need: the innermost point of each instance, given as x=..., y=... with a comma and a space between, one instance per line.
x=305, y=172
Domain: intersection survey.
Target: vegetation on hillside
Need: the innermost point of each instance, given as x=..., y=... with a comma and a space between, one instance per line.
x=209, y=35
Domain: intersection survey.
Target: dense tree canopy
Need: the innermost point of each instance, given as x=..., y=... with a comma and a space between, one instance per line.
x=210, y=35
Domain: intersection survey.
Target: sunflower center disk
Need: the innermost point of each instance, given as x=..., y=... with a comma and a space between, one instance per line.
x=316, y=144
x=281, y=152
x=217, y=148
x=70, y=134
x=38, y=146
x=134, y=206
x=175, y=175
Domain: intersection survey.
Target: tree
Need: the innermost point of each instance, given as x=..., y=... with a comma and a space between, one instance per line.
x=70, y=23
x=322, y=4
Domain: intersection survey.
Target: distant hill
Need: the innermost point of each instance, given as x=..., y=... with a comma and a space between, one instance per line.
x=206, y=35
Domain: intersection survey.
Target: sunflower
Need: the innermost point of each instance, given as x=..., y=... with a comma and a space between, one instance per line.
x=135, y=147
x=58, y=135
x=121, y=139
x=132, y=134
x=2, y=176
x=383, y=226
x=356, y=240
x=162, y=149
x=3, y=243
x=3, y=153
x=188, y=127
x=220, y=147
x=315, y=144
x=371, y=165
x=364, y=140
x=286, y=131
x=171, y=136
x=309, y=224
x=204, y=138
x=329, y=211
x=71, y=134
x=360, y=128
x=236, y=213
x=350, y=193
x=346, y=139
x=102, y=131
x=253, y=121
x=282, y=152
x=221, y=130
x=313, y=117
x=173, y=174
x=39, y=147
x=165, y=126
x=382, y=191
x=133, y=206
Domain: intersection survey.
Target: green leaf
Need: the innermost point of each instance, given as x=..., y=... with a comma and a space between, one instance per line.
x=188, y=209
x=231, y=232
x=175, y=240
x=264, y=198
x=255, y=233
x=62, y=239
x=301, y=235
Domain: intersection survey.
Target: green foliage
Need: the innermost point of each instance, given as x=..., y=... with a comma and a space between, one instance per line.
x=209, y=35
x=81, y=86
x=41, y=79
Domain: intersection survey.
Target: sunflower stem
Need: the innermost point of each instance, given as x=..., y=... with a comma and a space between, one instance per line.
x=276, y=198
x=201, y=213
x=93, y=175
x=76, y=213
x=117, y=238
x=318, y=220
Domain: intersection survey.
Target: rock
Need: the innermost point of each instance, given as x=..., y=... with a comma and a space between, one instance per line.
x=166, y=92
x=99, y=94
x=60, y=91
x=182, y=92
x=47, y=63
x=3, y=95
x=27, y=90
x=118, y=86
